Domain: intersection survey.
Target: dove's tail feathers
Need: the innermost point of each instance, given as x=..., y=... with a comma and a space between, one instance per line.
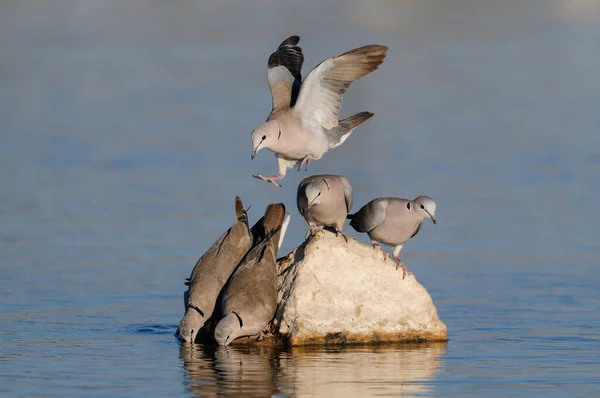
x=240, y=212
x=353, y=222
x=344, y=128
x=275, y=217
x=284, y=226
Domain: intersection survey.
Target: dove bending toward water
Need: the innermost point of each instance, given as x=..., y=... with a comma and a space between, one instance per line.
x=249, y=299
x=393, y=221
x=324, y=201
x=211, y=272
x=303, y=123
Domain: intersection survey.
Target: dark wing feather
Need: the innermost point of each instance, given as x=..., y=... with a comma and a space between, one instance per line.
x=289, y=54
x=284, y=73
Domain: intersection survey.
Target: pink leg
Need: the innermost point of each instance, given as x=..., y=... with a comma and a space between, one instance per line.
x=271, y=179
x=306, y=162
x=405, y=270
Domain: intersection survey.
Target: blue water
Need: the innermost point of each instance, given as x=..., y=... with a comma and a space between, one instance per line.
x=125, y=136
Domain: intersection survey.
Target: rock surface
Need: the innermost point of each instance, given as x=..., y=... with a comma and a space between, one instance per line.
x=333, y=292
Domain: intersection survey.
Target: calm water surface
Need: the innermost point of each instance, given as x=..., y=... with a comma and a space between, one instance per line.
x=125, y=135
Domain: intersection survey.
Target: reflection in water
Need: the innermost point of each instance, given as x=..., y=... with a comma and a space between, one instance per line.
x=231, y=371
x=397, y=370
x=361, y=371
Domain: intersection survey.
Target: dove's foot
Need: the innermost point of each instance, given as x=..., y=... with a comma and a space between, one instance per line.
x=305, y=162
x=313, y=230
x=385, y=254
x=405, y=270
x=346, y=237
x=269, y=179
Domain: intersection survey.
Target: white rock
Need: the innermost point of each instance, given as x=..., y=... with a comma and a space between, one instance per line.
x=338, y=292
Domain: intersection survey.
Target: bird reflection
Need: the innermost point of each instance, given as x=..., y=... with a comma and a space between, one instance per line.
x=248, y=371
x=352, y=371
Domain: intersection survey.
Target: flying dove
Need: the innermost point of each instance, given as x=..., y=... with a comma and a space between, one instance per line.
x=324, y=201
x=393, y=221
x=249, y=299
x=211, y=272
x=303, y=123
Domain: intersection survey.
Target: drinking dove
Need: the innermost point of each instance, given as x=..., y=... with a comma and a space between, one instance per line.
x=211, y=272
x=393, y=221
x=249, y=299
x=324, y=201
x=303, y=124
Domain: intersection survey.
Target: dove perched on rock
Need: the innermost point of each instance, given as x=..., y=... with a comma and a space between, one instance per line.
x=393, y=221
x=324, y=201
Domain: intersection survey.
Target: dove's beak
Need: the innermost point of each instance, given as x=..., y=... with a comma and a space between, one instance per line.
x=431, y=216
x=256, y=149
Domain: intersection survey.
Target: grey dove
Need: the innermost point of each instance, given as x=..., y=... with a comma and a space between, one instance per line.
x=393, y=221
x=303, y=124
x=324, y=201
x=211, y=272
x=249, y=299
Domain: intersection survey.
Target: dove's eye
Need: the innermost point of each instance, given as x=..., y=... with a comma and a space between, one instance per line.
x=264, y=137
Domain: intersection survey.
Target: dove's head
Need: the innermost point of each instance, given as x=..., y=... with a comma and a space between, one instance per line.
x=228, y=329
x=264, y=136
x=315, y=190
x=425, y=207
x=189, y=326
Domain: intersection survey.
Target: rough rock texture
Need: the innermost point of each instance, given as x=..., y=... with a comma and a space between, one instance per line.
x=337, y=292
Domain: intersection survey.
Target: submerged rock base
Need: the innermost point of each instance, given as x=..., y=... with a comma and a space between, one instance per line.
x=337, y=292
